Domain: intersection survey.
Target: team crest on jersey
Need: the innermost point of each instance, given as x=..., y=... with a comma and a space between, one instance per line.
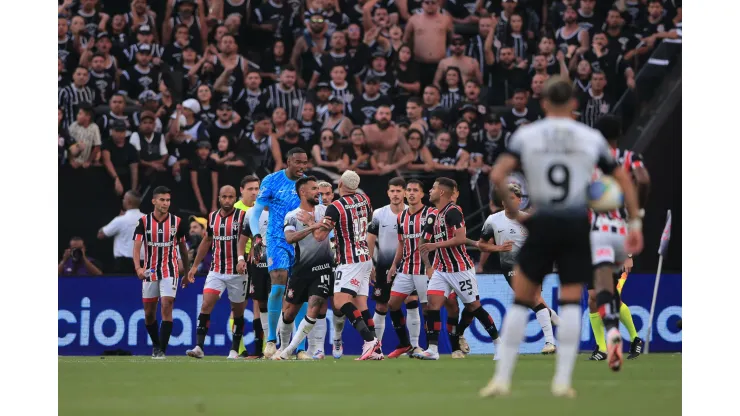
x=523, y=230
x=173, y=232
x=290, y=293
x=377, y=291
x=235, y=226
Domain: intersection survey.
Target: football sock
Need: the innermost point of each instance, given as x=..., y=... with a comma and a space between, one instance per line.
x=379, y=319
x=204, y=321
x=317, y=337
x=597, y=326
x=399, y=325
x=487, y=321
x=608, y=309
x=304, y=328
x=241, y=343
x=153, y=331
x=285, y=329
x=568, y=338
x=338, y=325
x=413, y=321
x=258, y=336
x=274, y=307
x=238, y=332
x=355, y=318
x=452, y=333
x=433, y=327
x=369, y=322
x=543, y=317
x=507, y=352
x=465, y=320
x=625, y=316
x=298, y=320
x=164, y=335
x=620, y=283
x=554, y=318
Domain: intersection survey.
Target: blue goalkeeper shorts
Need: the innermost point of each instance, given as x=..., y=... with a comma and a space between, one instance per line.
x=279, y=258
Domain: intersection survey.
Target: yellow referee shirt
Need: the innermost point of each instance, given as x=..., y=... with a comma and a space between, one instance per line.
x=242, y=206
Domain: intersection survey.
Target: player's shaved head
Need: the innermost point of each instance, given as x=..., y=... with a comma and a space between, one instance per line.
x=227, y=197
x=226, y=189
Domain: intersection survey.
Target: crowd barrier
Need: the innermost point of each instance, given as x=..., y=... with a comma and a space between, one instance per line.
x=99, y=314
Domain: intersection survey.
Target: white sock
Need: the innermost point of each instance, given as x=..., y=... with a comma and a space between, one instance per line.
x=413, y=322
x=543, y=317
x=265, y=324
x=433, y=348
x=339, y=327
x=285, y=330
x=554, y=318
x=304, y=328
x=317, y=338
x=507, y=352
x=379, y=325
x=568, y=334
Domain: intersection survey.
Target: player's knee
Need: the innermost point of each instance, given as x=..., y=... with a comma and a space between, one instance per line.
x=394, y=303
x=381, y=307
x=472, y=305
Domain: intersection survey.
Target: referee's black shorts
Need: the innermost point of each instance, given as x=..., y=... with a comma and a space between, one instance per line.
x=557, y=239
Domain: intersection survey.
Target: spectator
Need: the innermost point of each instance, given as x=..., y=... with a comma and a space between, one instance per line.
x=341, y=88
x=87, y=135
x=519, y=114
x=337, y=56
x=116, y=107
x=437, y=123
x=357, y=154
x=204, y=178
x=619, y=38
x=431, y=98
x=405, y=70
x=515, y=37
x=144, y=36
x=204, y=97
x=611, y=62
x=336, y=121
x=141, y=15
x=450, y=84
x=595, y=103
x=150, y=102
x=328, y=153
x=274, y=18
x=292, y=138
x=224, y=126
x=66, y=50
x=462, y=139
x=151, y=147
x=185, y=15
x=446, y=156
x=100, y=81
x=121, y=160
x=75, y=261
x=469, y=67
x=379, y=69
x=505, y=76
x=279, y=118
x=93, y=19
x=421, y=159
x=255, y=147
x=657, y=25
x=230, y=67
x=582, y=76
x=185, y=123
x=68, y=146
x=494, y=140
x=310, y=128
x=533, y=104
x=571, y=38
x=427, y=33
x=358, y=50
x=173, y=52
x=587, y=17
x=75, y=94
x=414, y=114
x=476, y=44
x=321, y=101
x=275, y=60
x=197, y=233
x=230, y=166
x=122, y=229
x=253, y=99
x=365, y=106
x=142, y=76
x=308, y=49
x=284, y=94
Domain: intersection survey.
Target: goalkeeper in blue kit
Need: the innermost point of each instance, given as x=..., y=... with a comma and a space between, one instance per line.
x=278, y=193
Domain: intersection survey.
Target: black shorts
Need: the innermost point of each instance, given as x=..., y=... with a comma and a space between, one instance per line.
x=259, y=281
x=381, y=287
x=615, y=275
x=302, y=286
x=557, y=239
x=508, y=273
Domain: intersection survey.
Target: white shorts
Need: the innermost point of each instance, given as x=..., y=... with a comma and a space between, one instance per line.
x=607, y=247
x=464, y=284
x=236, y=284
x=353, y=278
x=151, y=291
x=404, y=284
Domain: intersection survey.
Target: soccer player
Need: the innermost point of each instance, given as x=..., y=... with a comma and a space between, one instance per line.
x=383, y=231
x=509, y=236
x=453, y=269
x=349, y=216
x=258, y=280
x=159, y=233
x=411, y=273
x=327, y=193
x=311, y=273
x=277, y=192
x=611, y=127
x=557, y=155
x=226, y=236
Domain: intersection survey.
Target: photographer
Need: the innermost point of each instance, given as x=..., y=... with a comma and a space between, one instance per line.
x=75, y=262
x=197, y=233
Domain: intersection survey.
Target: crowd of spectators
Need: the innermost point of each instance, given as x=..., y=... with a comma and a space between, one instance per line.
x=197, y=94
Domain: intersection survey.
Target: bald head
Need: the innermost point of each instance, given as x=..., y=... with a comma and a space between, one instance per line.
x=227, y=197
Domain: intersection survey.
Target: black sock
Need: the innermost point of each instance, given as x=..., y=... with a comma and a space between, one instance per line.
x=399, y=325
x=204, y=321
x=369, y=321
x=236, y=336
x=425, y=314
x=465, y=320
x=539, y=307
x=153, y=330
x=608, y=309
x=484, y=318
x=452, y=333
x=434, y=325
x=258, y=336
x=355, y=318
x=164, y=335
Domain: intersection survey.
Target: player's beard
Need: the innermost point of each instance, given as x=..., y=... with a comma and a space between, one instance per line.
x=313, y=201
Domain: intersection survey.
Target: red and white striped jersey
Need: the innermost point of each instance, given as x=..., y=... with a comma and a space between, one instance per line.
x=615, y=221
x=225, y=231
x=410, y=230
x=442, y=228
x=350, y=216
x=160, y=240
x=628, y=159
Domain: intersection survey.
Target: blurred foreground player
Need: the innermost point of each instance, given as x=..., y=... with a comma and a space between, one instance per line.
x=557, y=156
x=159, y=232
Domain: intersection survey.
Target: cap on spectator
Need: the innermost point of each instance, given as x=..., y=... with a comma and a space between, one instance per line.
x=192, y=104
x=323, y=84
x=468, y=107
x=440, y=113
x=189, y=46
x=493, y=118
x=148, y=95
x=335, y=100
x=372, y=79
x=200, y=220
x=144, y=30
x=144, y=48
x=350, y=179
x=203, y=145
x=102, y=35
x=379, y=54
x=118, y=125
x=225, y=102
x=147, y=114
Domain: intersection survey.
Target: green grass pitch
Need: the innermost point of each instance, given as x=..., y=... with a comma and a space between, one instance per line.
x=650, y=385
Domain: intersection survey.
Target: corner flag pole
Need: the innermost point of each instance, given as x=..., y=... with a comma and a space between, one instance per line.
x=662, y=251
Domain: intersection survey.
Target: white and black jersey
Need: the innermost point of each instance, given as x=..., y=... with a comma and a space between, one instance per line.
x=238, y=7
x=384, y=226
x=364, y=108
x=172, y=55
x=104, y=86
x=68, y=54
x=92, y=21
x=562, y=41
x=588, y=22
x=475, y=50
x=593, y=107
x=270, y=12
x=135, y=122
x=492, y=147
x=330, y=60
x=450, y=98
x=130, y=53
x=345, y=93
x=104, y=122
x=310, y=131
x=502, y=229
x=335, y=21
x=290, y=100
x=557, y=156
x=310, y=254
x=387, y=80
x=231, y=130
x=136, y=80
x=194, y=33
x=70, y=97
x=519, y=43
x=448, y=157
x=513, y=119
x=250, y=102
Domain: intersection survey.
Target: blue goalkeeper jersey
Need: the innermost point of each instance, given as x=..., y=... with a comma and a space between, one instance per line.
x=277, y=192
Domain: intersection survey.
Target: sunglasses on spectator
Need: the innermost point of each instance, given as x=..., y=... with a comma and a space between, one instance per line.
x=317, y=20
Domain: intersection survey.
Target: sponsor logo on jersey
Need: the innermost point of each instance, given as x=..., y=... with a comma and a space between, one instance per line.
x=354, y=282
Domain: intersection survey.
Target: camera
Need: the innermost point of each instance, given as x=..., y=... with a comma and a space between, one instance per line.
x=76, y=254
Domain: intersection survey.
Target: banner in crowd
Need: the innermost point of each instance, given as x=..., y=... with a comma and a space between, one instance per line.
x=98, y=314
